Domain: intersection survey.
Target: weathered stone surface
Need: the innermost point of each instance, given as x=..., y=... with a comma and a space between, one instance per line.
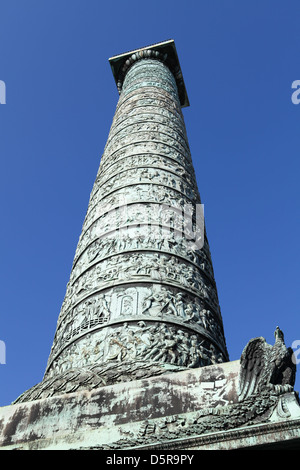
x=113, y=412
x=196, y=408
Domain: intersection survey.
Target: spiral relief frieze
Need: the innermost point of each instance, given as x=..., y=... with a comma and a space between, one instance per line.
x=142, y=285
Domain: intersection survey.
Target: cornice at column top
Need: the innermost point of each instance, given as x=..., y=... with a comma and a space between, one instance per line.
x=163, y=51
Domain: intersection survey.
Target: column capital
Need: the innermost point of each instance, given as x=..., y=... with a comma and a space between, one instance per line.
x=164, y=51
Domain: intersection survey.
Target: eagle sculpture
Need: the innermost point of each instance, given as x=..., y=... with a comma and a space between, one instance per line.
x=266, y=367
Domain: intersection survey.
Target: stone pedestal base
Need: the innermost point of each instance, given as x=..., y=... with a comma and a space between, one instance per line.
x=192, y=409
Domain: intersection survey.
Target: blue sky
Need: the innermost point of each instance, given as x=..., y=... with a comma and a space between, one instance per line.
x=239, y=59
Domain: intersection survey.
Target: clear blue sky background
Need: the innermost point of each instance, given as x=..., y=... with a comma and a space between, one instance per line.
x=239, y=59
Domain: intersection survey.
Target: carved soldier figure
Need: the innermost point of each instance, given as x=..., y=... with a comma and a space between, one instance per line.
x=157, y=344
x=179, y=304
x=183, y=347
x=102, y=307
x=194, y=353
x=168, y=348
x=152, y=304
